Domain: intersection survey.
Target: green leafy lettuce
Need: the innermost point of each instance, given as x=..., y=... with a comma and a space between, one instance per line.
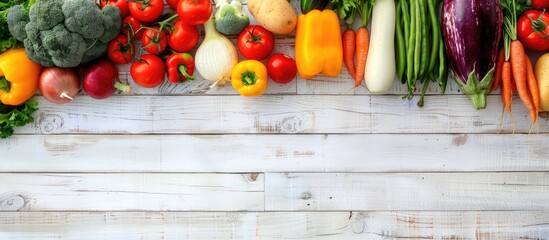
x=16, y=116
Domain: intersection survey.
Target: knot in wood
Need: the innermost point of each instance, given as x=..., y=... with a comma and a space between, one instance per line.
x=50, y=123
x=12, y=203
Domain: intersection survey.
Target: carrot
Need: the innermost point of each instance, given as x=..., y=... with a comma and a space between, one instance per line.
x=532, y=83
x=349, y=51
x=519, y=68
x=499, y=67
x=506, y=92
x=513, y=85
x=362, y=44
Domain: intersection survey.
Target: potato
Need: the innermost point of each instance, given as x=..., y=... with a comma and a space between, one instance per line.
x=541, y=70
x=277, y=16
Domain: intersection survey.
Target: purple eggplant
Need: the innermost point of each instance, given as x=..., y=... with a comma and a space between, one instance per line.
x=472, y=31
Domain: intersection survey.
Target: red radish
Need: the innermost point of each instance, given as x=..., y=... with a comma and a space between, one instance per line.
x=101, y=80
x=58, y=85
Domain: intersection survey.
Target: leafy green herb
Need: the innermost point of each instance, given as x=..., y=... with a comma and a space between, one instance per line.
x=16, y=116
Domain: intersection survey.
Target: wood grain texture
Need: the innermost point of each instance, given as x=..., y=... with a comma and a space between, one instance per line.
x=406, y=191
x=276, y=153
x=276, y=225
x=275, y=114
x=131, y=192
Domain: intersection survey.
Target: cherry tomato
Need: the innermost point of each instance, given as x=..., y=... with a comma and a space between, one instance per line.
x=255, y=42
x=194, y=12
x=120, y=50
x=281, y=68
x=146, y=10
x=173, y=4
x=532, y=30
x=154, y=41
x=130, y=23
x=149, y=72
x=184, y=37
x=541, y=4
x=120, y=4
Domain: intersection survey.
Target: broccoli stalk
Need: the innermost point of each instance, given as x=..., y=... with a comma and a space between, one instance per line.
x=229, y=18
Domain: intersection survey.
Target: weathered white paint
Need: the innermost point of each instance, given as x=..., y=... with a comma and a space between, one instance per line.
x=275, y=225
x=275, y=114
x=406, y=191
x=131, y=192
x=276, y=153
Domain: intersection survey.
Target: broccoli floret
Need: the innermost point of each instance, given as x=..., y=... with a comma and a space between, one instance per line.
x=33, y=46
x=111, y=23
x=229, y=18
x=46, y=14
x=65, y=33
x=17, y=19
x=83, y=16
x=65, y=48
x=95, y=48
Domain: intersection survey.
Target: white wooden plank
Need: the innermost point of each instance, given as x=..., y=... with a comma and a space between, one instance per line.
x=275, y=153
x=407, y=191
x=275, y=225
x=137, y=192
x=275, y=114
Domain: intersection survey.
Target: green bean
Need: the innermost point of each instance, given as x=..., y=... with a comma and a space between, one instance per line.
x=410, y=49
x=424, y=62
x=435, y=26
x=406, y=20
x=443, y=67
x=400, y=45
x=417, y=44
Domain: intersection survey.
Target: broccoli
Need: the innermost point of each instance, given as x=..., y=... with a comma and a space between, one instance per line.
x=229, y=18
x=8, y=41
x=111, y=24
x=17, y=19
x=95, y=50
x=64, y=33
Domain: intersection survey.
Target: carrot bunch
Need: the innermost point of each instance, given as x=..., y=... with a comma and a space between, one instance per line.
x=355, y=42
x=514, y=70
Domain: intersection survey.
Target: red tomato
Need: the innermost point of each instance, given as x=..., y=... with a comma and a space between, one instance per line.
x=147, y=10
x=121, y=4
x=173, y=4
x=130, y=22
x=194, y=12
x=184, y=37
x=281, y=68
x=541, y=4
x=532, y=30
x=255, y=42
x=120, y=50
x=149, y=72
x=154, y=41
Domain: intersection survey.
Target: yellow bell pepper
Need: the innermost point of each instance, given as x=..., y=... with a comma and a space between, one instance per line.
x=250, y=78
x=18, y=77
x=318, y=47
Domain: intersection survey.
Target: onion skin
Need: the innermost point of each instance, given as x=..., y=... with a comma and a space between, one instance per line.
x=58, y=85
x=101, y=80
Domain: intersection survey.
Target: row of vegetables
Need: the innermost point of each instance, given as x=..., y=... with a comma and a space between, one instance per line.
x=61, y=46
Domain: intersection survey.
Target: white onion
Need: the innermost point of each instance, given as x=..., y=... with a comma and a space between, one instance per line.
x=58, y=85
x=216, y=56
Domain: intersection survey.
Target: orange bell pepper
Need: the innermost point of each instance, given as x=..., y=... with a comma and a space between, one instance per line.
x=18, y=77
x=318, y=47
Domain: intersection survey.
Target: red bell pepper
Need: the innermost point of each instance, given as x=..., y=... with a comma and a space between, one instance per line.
x=180, y=67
